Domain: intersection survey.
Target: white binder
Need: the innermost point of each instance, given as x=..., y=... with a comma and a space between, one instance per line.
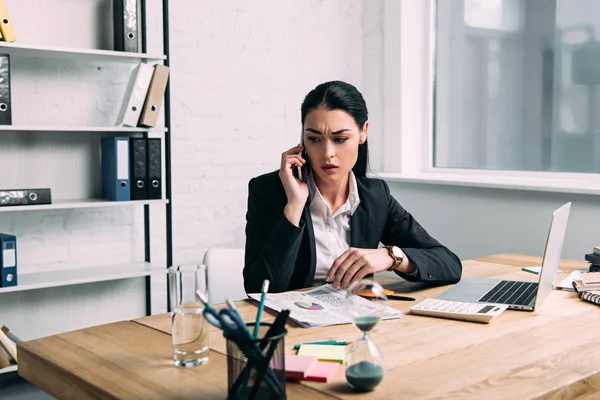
x=133, y=102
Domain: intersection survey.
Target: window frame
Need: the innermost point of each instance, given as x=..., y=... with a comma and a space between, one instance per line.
x=408, y=156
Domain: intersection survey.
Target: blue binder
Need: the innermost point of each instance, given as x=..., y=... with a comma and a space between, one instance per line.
x=8, y=260
x=115, y=168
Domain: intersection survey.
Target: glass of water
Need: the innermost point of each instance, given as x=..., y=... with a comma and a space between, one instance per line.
x=189, y=328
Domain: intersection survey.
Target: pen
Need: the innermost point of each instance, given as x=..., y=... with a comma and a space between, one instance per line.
x=265, y=289
x=332, y=342
x=389, y=294
x=405, y=298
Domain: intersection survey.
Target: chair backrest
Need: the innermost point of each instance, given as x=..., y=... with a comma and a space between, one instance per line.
x=225, y=279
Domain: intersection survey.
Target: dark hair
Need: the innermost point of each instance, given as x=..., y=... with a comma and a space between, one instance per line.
x=338, y=95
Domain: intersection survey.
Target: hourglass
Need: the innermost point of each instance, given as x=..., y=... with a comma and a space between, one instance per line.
x=364, y=369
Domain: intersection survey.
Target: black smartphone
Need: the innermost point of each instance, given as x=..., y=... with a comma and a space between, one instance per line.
x=299, y=172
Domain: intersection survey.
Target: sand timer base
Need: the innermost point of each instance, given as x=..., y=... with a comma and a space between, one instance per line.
x=364, y=370
x=364, y=376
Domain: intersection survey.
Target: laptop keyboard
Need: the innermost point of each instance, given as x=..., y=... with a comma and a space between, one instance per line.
x=511, y=292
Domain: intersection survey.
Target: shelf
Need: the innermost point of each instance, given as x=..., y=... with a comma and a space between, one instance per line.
x=82, y=203
x=102, y=129
x=9, y=369
x=82, y=54
x=49, y=279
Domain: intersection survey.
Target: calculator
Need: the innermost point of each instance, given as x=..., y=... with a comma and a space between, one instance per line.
x=461, y=310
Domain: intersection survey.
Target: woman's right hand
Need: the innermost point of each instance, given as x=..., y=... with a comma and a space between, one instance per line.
x=296, y=190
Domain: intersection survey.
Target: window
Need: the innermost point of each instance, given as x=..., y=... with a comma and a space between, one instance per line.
x=517, y=85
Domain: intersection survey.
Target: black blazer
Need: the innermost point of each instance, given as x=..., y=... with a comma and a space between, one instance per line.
x=285, y=254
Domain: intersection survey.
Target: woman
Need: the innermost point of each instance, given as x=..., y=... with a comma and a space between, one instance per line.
x=325, y=223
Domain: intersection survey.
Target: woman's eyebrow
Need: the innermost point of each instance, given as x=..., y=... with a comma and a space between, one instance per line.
x=333, y=133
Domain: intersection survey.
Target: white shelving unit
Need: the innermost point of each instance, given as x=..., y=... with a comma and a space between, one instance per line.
x=78, y=276
x=82, y=203
x=99, y=129
x=86, y=275
x=81, y=54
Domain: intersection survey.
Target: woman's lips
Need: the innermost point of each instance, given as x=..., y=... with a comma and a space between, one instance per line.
x=329, y=168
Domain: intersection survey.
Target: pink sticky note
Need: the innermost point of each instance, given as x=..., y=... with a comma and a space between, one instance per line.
x=297, y=366
x=322, y=371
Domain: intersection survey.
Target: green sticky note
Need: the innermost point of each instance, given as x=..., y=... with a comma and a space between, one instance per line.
x=324, y=352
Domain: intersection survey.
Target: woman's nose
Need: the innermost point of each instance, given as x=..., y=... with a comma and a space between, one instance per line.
x=329, y=149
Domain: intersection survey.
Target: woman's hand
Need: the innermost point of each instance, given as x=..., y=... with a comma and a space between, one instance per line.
x=355, y=263
x=296, y=190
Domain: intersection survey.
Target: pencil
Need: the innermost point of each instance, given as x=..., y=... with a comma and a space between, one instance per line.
x=265, y=289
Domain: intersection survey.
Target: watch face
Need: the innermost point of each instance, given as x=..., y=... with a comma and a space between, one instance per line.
x=398, y=252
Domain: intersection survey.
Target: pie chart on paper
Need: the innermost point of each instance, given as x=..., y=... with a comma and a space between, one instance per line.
x=308, y=306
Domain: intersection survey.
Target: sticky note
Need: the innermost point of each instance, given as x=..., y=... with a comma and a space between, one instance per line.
x=322, y=371
x=324, y=352
x=296, y=367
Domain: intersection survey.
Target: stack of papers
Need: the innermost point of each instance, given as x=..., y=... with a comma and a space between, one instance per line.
x=321, y=306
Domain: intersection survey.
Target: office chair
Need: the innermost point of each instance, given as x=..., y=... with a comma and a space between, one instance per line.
x=225, y=279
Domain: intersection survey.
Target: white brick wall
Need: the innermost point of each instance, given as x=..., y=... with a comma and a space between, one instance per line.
x=239, y=73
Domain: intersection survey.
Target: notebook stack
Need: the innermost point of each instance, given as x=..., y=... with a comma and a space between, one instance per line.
x=594, y=259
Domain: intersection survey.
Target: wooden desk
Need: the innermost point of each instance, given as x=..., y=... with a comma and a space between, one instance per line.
x=550, y=354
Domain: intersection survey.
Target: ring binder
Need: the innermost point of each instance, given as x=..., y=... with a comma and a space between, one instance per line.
x=23, y=197
x=137, y=160
x=6, y=26
x=8, y=260
x=590, y=297
x=154, y=170
x=126, y=25
x=5, y=109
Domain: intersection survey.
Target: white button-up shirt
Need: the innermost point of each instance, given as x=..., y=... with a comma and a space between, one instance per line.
x=332, y=232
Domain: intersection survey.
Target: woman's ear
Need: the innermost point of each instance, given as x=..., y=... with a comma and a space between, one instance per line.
x=363, y=133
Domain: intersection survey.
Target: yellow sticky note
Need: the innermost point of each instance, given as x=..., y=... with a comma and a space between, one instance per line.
x=324, y=352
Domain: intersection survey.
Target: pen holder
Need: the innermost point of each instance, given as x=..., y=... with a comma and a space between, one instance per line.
x=256, y=369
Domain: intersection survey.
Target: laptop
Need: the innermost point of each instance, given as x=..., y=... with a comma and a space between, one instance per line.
x=518, y=295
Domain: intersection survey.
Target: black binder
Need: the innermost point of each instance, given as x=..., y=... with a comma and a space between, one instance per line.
x=154, y=169
x=137, y=159
x=125, y=16
x=21, y=197
x=5, y=108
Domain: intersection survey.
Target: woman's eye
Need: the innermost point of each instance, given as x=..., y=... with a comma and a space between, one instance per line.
x=313, y=139
x=340, y=140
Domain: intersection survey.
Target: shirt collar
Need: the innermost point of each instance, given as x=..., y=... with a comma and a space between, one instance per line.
x=353, y=197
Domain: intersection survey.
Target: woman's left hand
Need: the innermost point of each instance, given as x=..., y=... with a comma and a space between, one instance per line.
x=354, y=264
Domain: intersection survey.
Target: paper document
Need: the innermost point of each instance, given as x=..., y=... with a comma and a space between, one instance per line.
x=321, y=306
x=567, y=283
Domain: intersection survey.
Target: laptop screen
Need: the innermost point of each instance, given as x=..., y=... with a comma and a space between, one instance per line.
x=552, y=253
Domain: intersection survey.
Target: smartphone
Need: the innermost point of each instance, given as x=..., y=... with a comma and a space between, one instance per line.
x=299, y=172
